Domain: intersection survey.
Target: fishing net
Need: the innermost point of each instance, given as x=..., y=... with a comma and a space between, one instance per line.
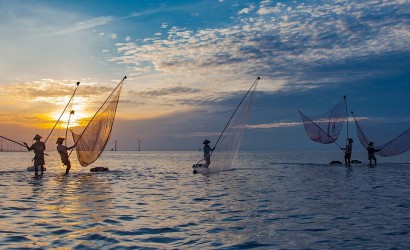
x=389, y=138
x=92, y=141
x=227, y=146
x=326, y=128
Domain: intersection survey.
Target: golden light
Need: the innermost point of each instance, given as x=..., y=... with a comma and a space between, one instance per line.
x=71, y=118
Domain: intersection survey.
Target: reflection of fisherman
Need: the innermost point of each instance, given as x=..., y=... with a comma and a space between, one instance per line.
x=207, y=152
x=38, y=147
x=370, y=153
x=348, y=151
x=62, y=150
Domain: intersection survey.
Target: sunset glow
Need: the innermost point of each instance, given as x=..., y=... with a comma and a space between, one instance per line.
x=188, y=64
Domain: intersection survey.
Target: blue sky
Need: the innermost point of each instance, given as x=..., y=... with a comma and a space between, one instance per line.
x=188, y=64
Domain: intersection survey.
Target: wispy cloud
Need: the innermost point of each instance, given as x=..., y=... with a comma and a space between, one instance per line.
x=279, y=40
x=275, y=125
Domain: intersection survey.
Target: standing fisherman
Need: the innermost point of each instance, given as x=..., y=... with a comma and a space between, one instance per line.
x=62, y=150
x=348, y=152
x=38, y=147
x=370, y=153
x=207, y=152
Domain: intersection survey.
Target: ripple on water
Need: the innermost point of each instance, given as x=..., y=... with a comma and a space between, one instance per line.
x=250, y=245
x=16, y=238
x=161, y=239
x=99, y=237
x=61, y=232
x=126, y=218
x=145, y=231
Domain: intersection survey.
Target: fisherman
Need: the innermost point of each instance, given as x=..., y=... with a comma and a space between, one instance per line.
x=370, y=153
x=62, y=150
x=38, y=147
x=348, y=151
x=207, y=152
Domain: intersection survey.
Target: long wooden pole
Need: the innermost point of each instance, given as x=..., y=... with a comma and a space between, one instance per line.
x=78, y=83
x=21, y=144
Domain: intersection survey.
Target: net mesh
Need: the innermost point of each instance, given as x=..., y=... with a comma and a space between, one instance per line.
x=92, y=141
x=389, y=138
x=326, y=128
x=227, y=147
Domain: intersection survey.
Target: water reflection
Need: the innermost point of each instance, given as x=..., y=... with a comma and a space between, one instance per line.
x=152, y=200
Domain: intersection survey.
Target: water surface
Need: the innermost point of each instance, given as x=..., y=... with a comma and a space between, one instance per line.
x=151, y=200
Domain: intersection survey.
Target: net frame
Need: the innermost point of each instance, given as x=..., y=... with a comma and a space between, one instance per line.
x=326, y=128
x=92, y=141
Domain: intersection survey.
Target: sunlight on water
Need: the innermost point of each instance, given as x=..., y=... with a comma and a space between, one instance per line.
x=152, y=200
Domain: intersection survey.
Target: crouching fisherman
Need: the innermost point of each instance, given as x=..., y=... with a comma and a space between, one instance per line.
x=62, y=150
x=38, y=147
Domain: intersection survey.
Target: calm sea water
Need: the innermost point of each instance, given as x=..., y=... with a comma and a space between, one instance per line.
x=151, y=200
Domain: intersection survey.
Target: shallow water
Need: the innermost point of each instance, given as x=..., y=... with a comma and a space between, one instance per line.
x=278, y=200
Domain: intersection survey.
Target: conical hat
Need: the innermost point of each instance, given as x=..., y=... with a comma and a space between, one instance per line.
x=37, y=137
x=206, y=141
x=60, y=140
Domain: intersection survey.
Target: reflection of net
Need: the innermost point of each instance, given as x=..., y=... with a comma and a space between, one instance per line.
x=390, y=138
x=326, y=128
x=91, y=143
x=225, y=153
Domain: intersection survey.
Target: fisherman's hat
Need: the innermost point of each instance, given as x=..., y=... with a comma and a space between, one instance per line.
x=60, y=140
x=350, y=139
x=37, y=137
x=371, y=143
x=206, y=141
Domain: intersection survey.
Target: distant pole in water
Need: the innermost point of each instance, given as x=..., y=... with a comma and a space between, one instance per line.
x=139, y=144
x=115, y=145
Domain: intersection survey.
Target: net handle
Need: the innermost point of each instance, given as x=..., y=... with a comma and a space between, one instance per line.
x=347, y=120
x=12, y=141
x=78, y=83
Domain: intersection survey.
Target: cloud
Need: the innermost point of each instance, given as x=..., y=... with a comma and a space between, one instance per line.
x=279, y=40
x=246, y=10
x=169, y=91
x=274, y=125
x=85, y=24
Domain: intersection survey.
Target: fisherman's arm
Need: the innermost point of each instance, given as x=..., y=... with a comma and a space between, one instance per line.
x=28, y=148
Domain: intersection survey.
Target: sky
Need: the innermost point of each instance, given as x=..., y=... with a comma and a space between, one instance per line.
x=189, y=63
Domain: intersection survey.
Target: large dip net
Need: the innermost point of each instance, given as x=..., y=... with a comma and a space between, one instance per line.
x=92, y=141
x=326, y=128
x=389, y=138
x=228, y=143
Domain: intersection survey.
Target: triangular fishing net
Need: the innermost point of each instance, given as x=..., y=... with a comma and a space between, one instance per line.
x=326, y=128
x=389, y=138
x=92, y=141
x=227, y=146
